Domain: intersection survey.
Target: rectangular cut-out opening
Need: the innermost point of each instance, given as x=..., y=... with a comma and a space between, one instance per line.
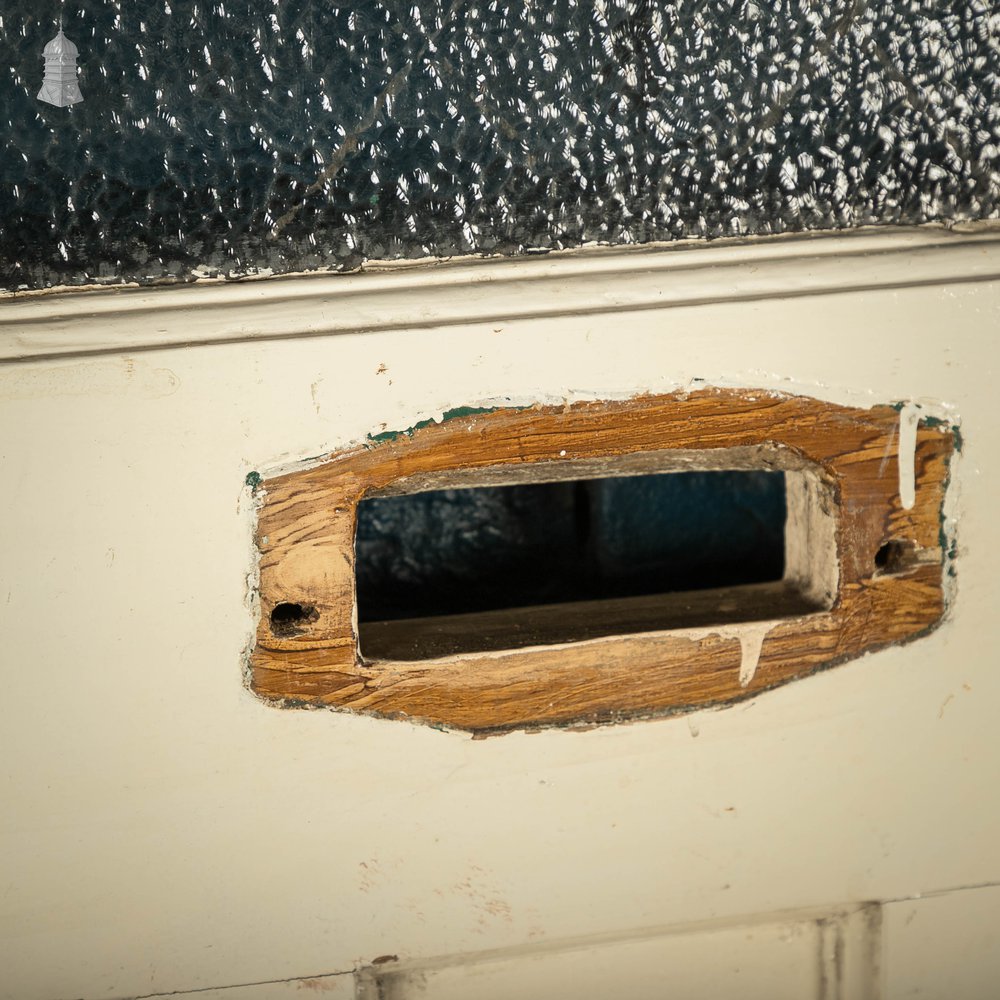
x=495, y=565
x=586, y=659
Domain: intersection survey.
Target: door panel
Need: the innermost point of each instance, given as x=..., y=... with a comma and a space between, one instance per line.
x=164, y=830
x=787, y=957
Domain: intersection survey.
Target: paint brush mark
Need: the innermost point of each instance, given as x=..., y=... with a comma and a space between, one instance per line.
x=909, y=419
x=887, y=453
x=130, y=379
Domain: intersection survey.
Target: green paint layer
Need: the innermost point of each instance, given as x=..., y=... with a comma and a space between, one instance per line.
x=457, y=412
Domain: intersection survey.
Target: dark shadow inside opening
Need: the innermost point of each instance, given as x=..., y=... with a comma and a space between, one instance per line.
x=476, y=550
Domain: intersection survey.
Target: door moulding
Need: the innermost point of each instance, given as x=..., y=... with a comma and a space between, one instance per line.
x=464, y=291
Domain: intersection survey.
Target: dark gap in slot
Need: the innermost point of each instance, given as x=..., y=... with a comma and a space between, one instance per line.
x=464, y=551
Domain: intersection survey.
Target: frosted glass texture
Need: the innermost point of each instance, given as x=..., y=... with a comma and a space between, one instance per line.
x=233, y=137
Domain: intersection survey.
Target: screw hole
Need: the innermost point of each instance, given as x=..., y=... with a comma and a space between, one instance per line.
x=894, y=557
x=288, y=619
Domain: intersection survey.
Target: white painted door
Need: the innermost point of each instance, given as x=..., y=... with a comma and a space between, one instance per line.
x=166, y=832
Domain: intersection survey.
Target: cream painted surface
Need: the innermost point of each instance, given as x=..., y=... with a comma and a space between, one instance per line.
x=592, y=280
x=163, y=830
x=321, y=987
x=772, y=961
x=944, y=946
x=789, y=956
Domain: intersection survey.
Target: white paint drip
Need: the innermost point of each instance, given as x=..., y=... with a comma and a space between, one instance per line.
x=909, y=418
x=751, y=640
x=751, y=636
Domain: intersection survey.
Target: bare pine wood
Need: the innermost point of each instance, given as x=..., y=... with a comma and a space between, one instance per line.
x=306, y=540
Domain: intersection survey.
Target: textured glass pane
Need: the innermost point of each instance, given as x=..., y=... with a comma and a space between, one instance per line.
x=230, y=137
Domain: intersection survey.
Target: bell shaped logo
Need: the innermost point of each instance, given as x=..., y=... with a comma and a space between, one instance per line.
x=60, y=86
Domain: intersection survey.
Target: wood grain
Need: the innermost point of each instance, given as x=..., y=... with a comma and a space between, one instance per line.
x=306, y=542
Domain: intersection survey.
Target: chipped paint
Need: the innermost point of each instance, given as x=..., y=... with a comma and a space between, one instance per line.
x=452, y=414
x=949, y=518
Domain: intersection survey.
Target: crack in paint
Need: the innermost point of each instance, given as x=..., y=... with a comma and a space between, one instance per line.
x=241, y=986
